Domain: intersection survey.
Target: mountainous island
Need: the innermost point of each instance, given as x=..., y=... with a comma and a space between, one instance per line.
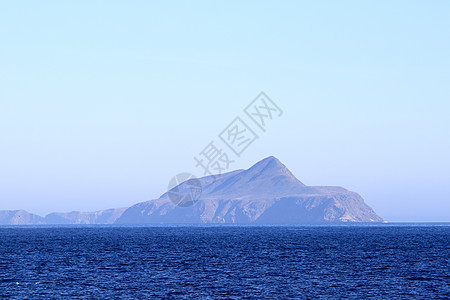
x=266, y=193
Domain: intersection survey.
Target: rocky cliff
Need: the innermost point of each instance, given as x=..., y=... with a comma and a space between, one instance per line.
x=265, y=193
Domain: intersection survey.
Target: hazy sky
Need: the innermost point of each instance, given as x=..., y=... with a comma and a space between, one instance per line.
x=102, y=102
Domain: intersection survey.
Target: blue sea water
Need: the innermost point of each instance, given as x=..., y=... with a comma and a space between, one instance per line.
x=386, y=261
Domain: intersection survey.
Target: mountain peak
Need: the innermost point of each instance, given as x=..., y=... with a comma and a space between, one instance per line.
x=270, y=161
x=271, y=166
x=268, y=176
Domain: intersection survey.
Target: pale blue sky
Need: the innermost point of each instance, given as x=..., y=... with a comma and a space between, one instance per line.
x=102, y=102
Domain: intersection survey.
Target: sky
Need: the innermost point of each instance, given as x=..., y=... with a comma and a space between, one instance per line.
x=103, y=102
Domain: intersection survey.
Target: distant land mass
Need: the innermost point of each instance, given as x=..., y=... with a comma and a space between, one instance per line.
x=22, y=217
x=266, y=193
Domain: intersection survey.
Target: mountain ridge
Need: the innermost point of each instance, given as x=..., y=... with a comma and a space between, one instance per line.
x=267, y=192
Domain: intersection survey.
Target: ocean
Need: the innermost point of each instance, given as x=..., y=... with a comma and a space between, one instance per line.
x=383, y=261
